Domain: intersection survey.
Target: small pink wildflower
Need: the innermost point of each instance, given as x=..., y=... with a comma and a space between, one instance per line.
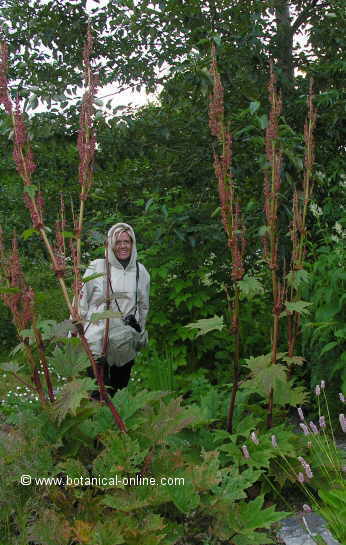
x=306, y=467
x=314, y=428
x=304, y=428
x=307, y=508
x=323, y=385
x=322, y=422
x=342, y=398
x=308, y=471
x=301, y=478
x=245, y=451
x=274, y=441
x=317, y=390
x=342, y=421
x=254, y=438
x=300, y=412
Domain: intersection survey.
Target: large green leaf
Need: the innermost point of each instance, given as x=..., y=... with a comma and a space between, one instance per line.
x=296, y=278
x=10, y=366
x=70, y=396
x=184, y=496
x=301, y=307
x=96, y=316
x=250, y=287
x=69, y=360
x=205, y=325
x=234, y=484
x=248, y=516
x=50, y=528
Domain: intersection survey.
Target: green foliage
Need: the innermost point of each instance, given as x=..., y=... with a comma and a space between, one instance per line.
x=207, y=324
x=266, y=376
x=247, y=517
x=70, y=396
x=121, y=513
x=324, y=334
x=334, y=510
x=250, y=287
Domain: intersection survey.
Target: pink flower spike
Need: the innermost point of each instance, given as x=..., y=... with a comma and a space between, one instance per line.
x=342, y=421
x=301, y=478
x=317, y=390
x=314, y=428
x=245, y=451
x=322, y=422
x=342, y=398
x=304, y=428
x=300, y=412
x=254, y=438
x=308, y=471
x=323, y=385
x=274, y=442
x=307, y=508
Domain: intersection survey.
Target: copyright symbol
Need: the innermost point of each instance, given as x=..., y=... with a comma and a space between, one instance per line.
x=25, y=480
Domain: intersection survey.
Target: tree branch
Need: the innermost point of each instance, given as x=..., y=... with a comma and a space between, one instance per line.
x=302, y=17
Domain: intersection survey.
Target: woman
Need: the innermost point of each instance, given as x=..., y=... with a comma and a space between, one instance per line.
x=120, y=293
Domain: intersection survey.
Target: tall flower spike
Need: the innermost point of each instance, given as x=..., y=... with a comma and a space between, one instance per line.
x=216, y=108
x=4, y=95
x=86, y=137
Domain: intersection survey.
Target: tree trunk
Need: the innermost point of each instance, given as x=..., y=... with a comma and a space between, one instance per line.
x=284, y=43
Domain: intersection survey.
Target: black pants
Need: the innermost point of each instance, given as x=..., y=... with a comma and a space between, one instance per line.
x=114, y=377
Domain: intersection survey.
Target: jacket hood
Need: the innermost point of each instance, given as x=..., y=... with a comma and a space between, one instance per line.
x=110, y=239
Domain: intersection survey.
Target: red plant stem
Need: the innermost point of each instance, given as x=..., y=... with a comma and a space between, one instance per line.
x=236, y=365
x=43, y=360
x=231, y=220
x=25, y=173
x=35, y=375
x=298, y=228
x=104, y=394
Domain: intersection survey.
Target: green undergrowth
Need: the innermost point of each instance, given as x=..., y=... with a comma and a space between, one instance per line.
x=167, y=438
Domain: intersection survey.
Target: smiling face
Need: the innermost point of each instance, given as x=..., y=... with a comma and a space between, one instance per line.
x=123, y=246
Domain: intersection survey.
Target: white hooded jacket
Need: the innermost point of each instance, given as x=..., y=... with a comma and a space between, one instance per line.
x=123, y=282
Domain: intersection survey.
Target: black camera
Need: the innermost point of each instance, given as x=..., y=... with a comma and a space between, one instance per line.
x=132, y=322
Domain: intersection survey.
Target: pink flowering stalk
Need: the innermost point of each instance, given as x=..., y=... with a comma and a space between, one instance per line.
x=254, y=438
x=313, y=428
x=342, y=398
x=304, y=428
x=86, y=137
x=342, y=421
x=25, y=166
x=274, y=441
x=300, y=413
x=230, y=215
x=301, y=477
x=20, y=301
x=270, y=240
x=298, y=229
x=245, y=451
x=322, y=422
